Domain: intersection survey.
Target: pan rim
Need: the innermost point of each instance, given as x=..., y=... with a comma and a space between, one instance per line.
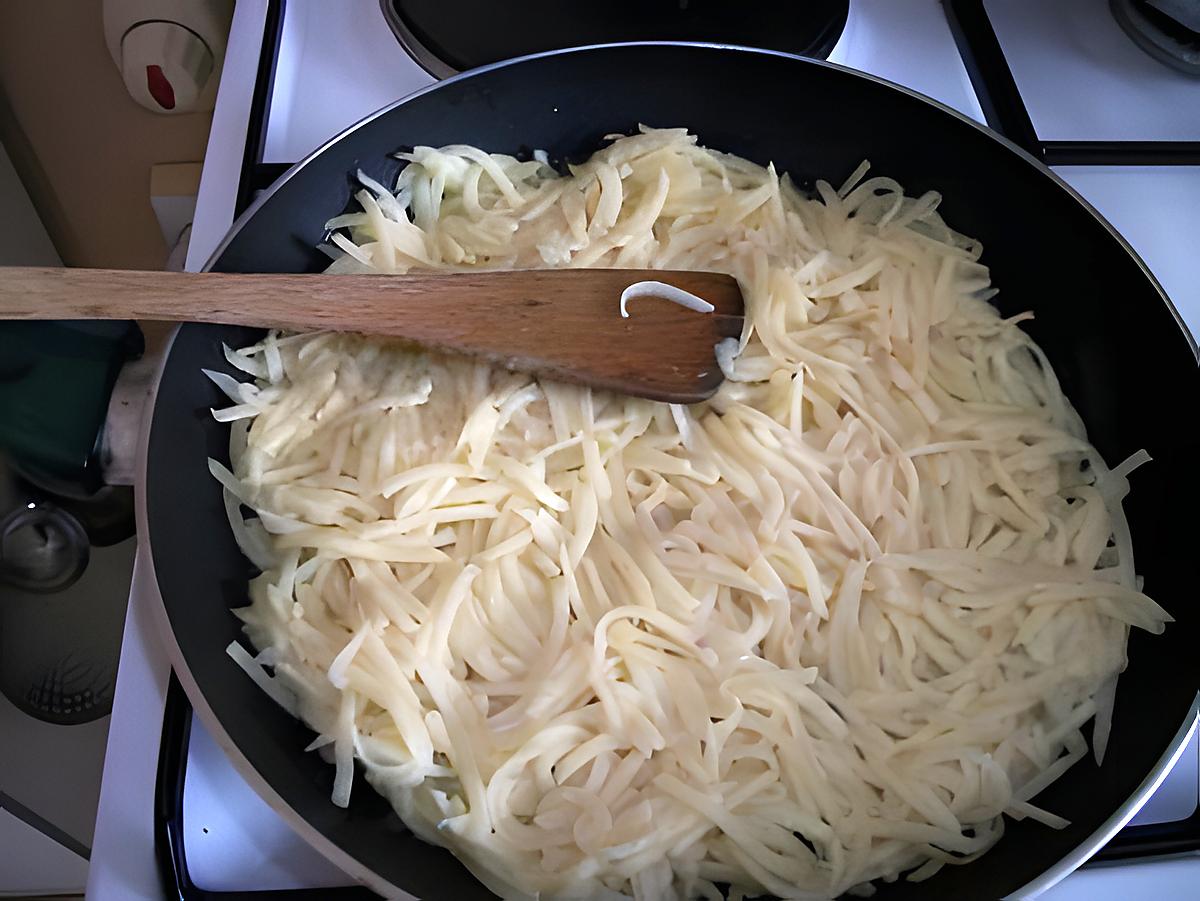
x=344, y=859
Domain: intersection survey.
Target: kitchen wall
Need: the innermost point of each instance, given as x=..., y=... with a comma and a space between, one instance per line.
x=80, y=144
x=23, y=238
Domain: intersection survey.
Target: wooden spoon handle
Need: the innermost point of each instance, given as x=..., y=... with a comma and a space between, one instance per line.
x=375, y=304
x=564, y=323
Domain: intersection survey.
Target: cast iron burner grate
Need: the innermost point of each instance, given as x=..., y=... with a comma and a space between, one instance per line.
x=1005, y=111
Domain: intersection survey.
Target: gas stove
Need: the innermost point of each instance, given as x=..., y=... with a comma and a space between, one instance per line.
x=1060, y=79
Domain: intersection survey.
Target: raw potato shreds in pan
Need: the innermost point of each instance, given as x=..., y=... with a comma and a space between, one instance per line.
x=830, y=627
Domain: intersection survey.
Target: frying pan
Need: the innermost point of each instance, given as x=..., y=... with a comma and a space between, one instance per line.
x=1118, y=346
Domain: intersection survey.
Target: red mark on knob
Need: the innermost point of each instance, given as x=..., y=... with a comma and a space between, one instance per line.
x=160, y=89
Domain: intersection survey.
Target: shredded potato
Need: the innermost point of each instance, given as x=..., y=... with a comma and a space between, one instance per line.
x=829, y=627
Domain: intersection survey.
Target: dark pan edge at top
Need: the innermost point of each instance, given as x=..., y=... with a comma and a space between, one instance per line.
x=1069, y=862
x=1023, y=154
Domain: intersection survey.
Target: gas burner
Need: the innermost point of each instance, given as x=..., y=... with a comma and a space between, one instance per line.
x=1169, y=30
x=450, y=36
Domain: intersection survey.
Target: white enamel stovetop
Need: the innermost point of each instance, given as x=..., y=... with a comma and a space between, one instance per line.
x=338, y=62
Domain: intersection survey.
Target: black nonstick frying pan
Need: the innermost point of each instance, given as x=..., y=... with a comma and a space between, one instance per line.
x=1118, y=346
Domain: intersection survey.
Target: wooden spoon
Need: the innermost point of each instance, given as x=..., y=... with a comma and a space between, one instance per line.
x=561, y=323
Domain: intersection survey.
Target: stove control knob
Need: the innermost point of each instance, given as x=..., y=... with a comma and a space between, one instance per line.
x=169, y=52
x=165, y=66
